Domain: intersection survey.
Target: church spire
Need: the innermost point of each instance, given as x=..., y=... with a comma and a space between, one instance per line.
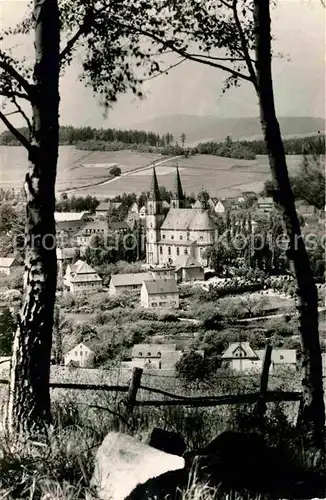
x=177, y=187
x=178, y=199
x=154, y=194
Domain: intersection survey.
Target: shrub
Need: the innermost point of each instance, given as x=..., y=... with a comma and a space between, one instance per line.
x=115, y=171
x=192, y=366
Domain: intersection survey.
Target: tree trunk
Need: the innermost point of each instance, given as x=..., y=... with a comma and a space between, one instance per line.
x=312, y=411
x=29, y=398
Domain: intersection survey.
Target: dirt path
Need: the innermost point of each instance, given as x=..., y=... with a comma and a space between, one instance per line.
x=130, y=172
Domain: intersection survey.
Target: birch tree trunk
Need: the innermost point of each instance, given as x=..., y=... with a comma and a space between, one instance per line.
x=29, y=399
x=312, y=411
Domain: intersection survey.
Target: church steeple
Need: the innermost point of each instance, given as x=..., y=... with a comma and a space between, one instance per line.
x=154, y=194
x=178, y=200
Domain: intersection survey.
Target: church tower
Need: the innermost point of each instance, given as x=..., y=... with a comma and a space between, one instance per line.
x=154, y=219
x=178, y=199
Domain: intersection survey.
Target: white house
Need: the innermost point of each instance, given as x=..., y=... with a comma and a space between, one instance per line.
x=120, y=283
x=81, y=278
x=142, y=212
x=155, y=356
x=8, y=265
x=81, y=355
x=239, y=356
x=159, y=293
x=188, y=269
x=265, y=205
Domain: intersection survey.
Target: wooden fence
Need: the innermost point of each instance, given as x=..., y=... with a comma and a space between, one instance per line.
x=259, y=398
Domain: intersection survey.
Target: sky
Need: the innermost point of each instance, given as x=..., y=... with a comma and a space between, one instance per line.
x=299, y=77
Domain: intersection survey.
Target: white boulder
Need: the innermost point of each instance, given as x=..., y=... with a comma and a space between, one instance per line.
x=123, y=462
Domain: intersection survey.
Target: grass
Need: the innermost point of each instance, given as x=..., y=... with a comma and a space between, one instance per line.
x=75, y=169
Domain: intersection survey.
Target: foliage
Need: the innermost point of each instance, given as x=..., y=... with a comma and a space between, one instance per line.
x=191, y=366
x=7, y=331
x=115, y=171
x=228, y=149
x=76, y=204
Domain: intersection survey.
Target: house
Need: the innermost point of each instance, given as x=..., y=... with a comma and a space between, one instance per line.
x=159, y=293
x=121, y=283
x=239, y=356
x=118, y=227
x=265, y=205
x=81, y=278
x=134, y=209
x=178, y=230
x=217, y=205
x=280, y=357
x=91, y=229
x=188, y=269
x=159, y=272
x=155, y=356
x=142, y=212
x=65, y=256
x=81, y=356
x=102, y=209
x=70, y=223
x=8, y=265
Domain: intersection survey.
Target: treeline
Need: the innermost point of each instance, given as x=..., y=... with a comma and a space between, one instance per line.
x=228, y=149
x=295, y=146
x=70, y=135
x=171, y=149
x=76, y=203
x=248, y=150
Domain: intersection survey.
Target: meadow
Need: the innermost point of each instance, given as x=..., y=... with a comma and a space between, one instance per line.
x=85, y=172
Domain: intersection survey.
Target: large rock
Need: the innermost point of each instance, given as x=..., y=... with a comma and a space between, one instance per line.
x=168, y=441
x=126, y=468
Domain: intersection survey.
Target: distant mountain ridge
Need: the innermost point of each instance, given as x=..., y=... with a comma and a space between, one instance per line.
x=206, y=128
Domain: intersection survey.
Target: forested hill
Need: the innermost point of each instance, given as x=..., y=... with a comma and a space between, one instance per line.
x=70, y=135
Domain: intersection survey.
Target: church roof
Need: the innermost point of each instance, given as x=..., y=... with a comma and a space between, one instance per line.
x=154, y=193
x=188, y=219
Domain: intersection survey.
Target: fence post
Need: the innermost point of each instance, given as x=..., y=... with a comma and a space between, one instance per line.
x=261, y=404
x=133, y=388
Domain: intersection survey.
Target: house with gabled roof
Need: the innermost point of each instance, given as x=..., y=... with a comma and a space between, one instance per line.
x=127, y=282
x=159, y=293
x=81, y=355
x=240, y=356
x=81, y=278
x=8, y=265
x=187, y=268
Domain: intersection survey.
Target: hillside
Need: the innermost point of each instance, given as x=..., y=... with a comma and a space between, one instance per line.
x=199, y=128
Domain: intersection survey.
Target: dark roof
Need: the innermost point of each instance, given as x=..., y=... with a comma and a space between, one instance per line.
x=159, y=286
x=186, y=262
x=154, y=194
x=115, y=225
x=128, y=279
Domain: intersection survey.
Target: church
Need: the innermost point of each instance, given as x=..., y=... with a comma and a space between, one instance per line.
x=179, y=231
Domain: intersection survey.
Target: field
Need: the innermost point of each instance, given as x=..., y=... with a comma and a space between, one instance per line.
x=84, y=173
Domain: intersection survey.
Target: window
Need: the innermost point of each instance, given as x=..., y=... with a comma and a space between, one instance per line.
x=169, y=250
x=140, y=353
x=149, y=354
x=281, y=357
x=81, y=353
x=178, y=251
x=181, y=237
x=185, y=251
x=154, y=304
x=76, y=353
x=159, y=365
x=201, y=238
x=159, y=354
x=163, y=236
x=172, y=236
x=161, y=250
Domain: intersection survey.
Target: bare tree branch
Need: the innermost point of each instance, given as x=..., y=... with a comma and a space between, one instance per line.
x=8, y=68
x=164, y=70
x=213, y=58
x=14, y=93
x=15, y=132
x=22, y=112
x=244, y=46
